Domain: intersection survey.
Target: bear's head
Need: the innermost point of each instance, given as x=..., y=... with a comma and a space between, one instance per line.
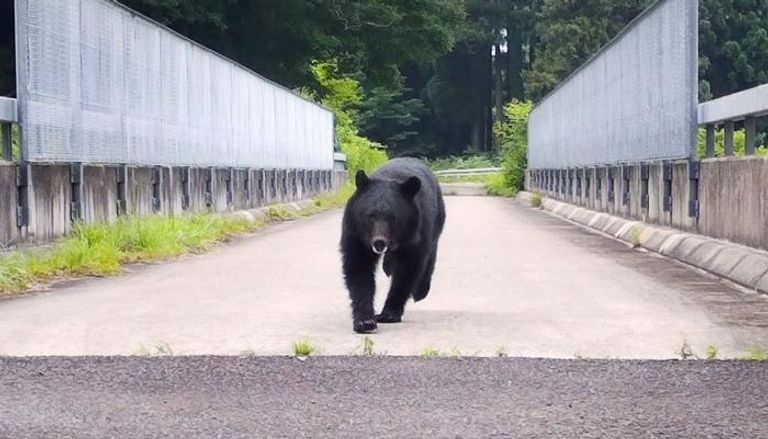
x=384, y=212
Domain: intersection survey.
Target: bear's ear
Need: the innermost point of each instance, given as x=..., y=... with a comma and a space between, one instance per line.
x=361, y=180
x=410, y=187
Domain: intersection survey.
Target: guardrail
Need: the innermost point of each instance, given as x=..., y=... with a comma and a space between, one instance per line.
x=8, y=116
x=747, y=106
x=462, y=172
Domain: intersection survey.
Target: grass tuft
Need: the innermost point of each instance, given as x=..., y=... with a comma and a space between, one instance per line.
x=755, y=353
x=366, y=346
x=303, y=348
x=536, y=200
x=430, y=352
x=100, y=249
x=686, y=352
x=634, y=235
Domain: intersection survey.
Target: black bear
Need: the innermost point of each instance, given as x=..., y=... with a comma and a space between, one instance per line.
x=397, y=212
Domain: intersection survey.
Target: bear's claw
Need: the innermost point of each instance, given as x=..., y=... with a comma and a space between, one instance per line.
x=363, y=326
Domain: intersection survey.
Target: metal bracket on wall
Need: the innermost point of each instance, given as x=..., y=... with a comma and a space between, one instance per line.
x=587, y=173
x=694, y=172
x=157, y=184
x=645, y=173
x=185, y=188
x=76, y=184
x=230, y=181
x=248, y=179
x=22, y=189
x=209, y=188
x=626, y=173
x=611, y=184
x=667, y=177
x=121, y=176
x=599, y=184
x=579, y=179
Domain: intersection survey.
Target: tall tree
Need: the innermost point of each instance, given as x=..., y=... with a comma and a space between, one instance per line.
x=733, y=53
x=569, y=32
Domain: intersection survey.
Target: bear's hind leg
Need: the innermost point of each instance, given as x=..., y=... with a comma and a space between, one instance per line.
x=425, y=282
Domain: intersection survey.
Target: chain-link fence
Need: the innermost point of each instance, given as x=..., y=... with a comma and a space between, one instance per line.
x=100, y=84
x=636, y=100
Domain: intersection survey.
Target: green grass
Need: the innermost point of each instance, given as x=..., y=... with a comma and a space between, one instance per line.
x=303, y=348
x=430, y=352
x=497, y=186
x=536, y=200
x=634, y=235
x=755, y=353
x=711, y=352
x=101, y=249
x=485, y=179
x=366, y=346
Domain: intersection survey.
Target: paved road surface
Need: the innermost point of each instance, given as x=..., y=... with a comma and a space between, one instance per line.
x=508, y=279
x=381, y=397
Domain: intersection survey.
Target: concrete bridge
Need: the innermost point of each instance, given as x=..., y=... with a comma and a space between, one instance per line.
x=511, y=280
x=566, y=312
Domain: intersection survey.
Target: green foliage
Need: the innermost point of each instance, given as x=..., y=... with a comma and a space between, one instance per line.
x=343, y=95
x=739, y=141
x=733, y=40
x=711, y=353
x=366, y=346
x=756, y=353
x=100, y=249
x=430, y=352
x=498, y=186
x=568, y=33
x=536, y=200
x=512, y=136
x=303, y=348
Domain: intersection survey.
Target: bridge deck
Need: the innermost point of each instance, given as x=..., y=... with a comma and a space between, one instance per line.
x=508, y=279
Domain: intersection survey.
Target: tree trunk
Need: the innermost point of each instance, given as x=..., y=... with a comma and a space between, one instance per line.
x=498, y=90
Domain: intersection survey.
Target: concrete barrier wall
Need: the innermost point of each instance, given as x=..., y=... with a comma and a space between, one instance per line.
x=733, y=195
x=734, y=200
x=8, y=202
x=59, y=195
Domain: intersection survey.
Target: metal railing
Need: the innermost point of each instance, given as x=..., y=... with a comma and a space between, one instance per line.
x=746, y=106
x=464, y=172
x=634, y=101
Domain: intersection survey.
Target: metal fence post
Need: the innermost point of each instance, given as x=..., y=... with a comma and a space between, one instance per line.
x=694, y=171
x=76, y=184
x=23, y=180
x=122, y=189
x=667, y=175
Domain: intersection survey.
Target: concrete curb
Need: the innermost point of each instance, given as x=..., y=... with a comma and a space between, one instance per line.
x=743, y=265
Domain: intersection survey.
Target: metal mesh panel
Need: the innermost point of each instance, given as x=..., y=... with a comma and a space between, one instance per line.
x=100, y=84
x=636, y=100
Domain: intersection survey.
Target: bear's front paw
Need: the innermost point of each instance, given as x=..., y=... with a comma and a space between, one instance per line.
x=363, y=326
x=389, y=316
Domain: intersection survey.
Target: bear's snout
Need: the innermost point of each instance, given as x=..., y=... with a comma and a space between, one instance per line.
x=380, y=245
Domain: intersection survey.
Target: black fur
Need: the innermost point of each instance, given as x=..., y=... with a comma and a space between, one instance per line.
x=399, y=205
